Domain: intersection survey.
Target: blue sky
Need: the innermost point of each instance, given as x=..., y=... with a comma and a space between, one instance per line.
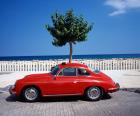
x=22, y=26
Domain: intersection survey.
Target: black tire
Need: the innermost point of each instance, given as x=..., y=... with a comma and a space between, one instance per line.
x=94, y=93
x=31, y=94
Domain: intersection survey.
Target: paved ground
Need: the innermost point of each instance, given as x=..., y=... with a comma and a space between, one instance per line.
x=121, y=103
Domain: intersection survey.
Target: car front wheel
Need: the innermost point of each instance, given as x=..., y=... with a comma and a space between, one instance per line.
x=94, y=93
x=30, y=94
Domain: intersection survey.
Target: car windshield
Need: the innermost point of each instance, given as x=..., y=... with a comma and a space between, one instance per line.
x=55, y=70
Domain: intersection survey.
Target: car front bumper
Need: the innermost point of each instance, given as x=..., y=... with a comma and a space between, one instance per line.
x=114, y=89
x=12, y=90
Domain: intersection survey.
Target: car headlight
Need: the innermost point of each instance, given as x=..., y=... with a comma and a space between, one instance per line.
x=12, y=86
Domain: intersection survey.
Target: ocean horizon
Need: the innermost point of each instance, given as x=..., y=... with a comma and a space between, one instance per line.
x=57, y=57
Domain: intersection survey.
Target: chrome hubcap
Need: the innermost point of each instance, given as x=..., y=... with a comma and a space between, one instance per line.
x=94, y=93
x=31, y=94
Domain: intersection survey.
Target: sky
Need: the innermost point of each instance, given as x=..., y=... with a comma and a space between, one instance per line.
x=116, y=28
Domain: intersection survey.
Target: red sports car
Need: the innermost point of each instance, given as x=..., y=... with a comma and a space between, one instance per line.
x=65, y=79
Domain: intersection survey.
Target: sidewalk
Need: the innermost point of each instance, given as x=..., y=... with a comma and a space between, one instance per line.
x=10, y=78
x=126, y=79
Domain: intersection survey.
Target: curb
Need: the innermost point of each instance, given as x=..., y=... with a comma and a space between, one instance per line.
x=135, y=90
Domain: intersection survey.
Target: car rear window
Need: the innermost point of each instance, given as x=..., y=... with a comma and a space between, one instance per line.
x=83, y=72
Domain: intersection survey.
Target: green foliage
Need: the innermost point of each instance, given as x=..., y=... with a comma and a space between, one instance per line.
x=68, y=28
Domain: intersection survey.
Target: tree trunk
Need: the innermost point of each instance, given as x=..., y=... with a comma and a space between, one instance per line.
x=70, y=55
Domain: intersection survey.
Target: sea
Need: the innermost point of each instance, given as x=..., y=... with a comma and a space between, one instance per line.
x=61, y=57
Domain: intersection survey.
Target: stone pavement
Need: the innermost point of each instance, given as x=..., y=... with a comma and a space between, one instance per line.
x=121, y=103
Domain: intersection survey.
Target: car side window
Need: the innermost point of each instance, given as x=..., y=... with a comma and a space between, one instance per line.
x=68, y=72
x=82, y=71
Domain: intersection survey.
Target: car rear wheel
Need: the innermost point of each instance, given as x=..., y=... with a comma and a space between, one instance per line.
x=94, y=93
x=31, y=94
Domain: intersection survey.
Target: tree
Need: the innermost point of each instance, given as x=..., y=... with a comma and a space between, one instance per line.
x=68, y=28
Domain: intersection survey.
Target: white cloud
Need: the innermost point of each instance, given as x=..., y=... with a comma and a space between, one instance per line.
x=121, y=6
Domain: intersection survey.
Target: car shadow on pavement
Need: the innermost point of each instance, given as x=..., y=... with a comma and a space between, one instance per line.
x=70, y=98
x=13, y=98
x=61, y=99
x=106, y=97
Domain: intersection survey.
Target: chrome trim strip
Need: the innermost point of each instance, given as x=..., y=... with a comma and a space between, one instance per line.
x=64, y=94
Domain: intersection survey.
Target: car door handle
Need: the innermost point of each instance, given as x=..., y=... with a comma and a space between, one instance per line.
x=75, y=81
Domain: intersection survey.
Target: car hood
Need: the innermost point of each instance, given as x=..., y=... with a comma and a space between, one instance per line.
x=38, y=76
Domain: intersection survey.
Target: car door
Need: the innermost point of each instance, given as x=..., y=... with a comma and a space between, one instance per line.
x=84, y=78
x=66, y=82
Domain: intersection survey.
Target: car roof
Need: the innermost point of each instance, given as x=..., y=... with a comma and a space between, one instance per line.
x=72, y=65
